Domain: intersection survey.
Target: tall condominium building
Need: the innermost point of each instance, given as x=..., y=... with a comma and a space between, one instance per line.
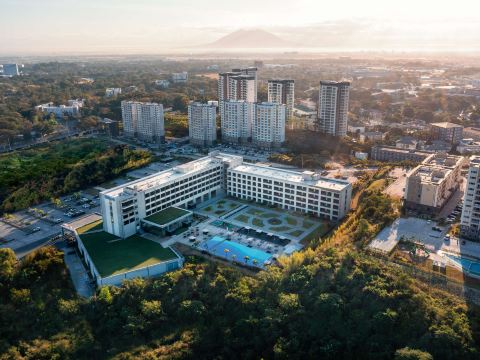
x=202, y=123
x=430, y=185
x=126, y=206
x=249, y=71
x=143, y=120
x=268, y=129
x=470, y=221
x=446, y=131
x=333, y=107
x=238, y=84
x=236, y=121
x=282, y=92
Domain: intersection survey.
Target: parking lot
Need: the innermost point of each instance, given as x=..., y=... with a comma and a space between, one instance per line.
x=27, y=230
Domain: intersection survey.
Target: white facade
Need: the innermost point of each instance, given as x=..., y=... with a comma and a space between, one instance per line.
x=268, y=129
x=333, y=107
x=470, y=221
x=202, y=123
x=111, y=92
x=71, y=109
x=236, y=121
x=124, y=206
x=143, y=120
x=185, y=185
x=181, y=77
x=239, y=84
x=282, y=92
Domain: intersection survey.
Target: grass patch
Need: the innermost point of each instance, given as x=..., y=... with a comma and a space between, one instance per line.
x=296, y=233
x=307, y=225
x=108, y=185
x=114, y=257
x=208, y=209
x=280, y=228
x=242, y=218
x=167, y=215
x=96, y=225
x=291, y=221
x=219, y=212
x=257, y=222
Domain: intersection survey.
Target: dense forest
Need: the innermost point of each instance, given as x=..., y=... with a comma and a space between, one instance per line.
x=31, y=176
x=317, y=304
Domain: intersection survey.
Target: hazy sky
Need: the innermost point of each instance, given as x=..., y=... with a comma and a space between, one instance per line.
x=49, y=26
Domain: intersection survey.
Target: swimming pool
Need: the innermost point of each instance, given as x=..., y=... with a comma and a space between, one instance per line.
x=470, y=266
x=235, y=251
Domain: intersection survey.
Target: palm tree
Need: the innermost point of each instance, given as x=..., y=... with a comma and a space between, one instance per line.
x=246, y=257
x=255, y=262
x=234, y=257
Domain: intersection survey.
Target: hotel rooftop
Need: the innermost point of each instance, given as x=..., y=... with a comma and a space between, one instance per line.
x=307, y=178
x=173, y=174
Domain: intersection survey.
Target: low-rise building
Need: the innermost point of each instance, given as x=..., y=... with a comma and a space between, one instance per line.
x=372, y=136
x=112, y=92
x=181, y=77
x=394, y=154
x=406, y=142
x=468, y=146
x=472, y=133
x=430, y=185
x=72, y=108
x=164, y=84
x=446, y=131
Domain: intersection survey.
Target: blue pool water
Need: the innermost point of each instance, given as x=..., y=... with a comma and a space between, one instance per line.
x=466, y=264
x=217, y=245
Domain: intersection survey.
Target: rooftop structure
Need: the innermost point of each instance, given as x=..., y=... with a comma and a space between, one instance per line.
x=394, y=154
x=431, y=184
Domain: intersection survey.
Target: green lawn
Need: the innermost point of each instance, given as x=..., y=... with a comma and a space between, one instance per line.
x=165, y=216
x=291, y=221
x=296, y=233
x=96, y=225
x=280, y=228
x=242, y=218
x=112, y=255
x=257, y=222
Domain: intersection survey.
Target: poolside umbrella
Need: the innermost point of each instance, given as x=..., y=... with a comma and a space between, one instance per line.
x=259, y=231
x=269, y=234
x=192, y=237
x=205, y=231
x=226, y=251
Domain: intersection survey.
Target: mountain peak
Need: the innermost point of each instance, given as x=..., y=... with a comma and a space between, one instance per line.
x=250, y=38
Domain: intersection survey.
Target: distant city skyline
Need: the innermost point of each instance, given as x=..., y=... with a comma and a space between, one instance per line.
x=149, y=26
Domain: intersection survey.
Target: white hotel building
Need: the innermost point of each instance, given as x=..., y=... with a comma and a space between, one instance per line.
x=143, y=120
x=236, y=121
x=470, y=221
x=189, y=184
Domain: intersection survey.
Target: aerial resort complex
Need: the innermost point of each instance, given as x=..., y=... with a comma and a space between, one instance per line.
x=218, y=205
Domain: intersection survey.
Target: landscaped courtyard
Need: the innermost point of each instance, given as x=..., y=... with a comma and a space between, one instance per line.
x=220, y=207
x=280, y=222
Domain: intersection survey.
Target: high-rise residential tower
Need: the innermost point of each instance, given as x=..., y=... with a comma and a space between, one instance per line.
x=143, y=120
x=470, y=221
x=236, y=121
x=268, y=129
x=282, y=92
x=202, y=123
x=333, y=107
